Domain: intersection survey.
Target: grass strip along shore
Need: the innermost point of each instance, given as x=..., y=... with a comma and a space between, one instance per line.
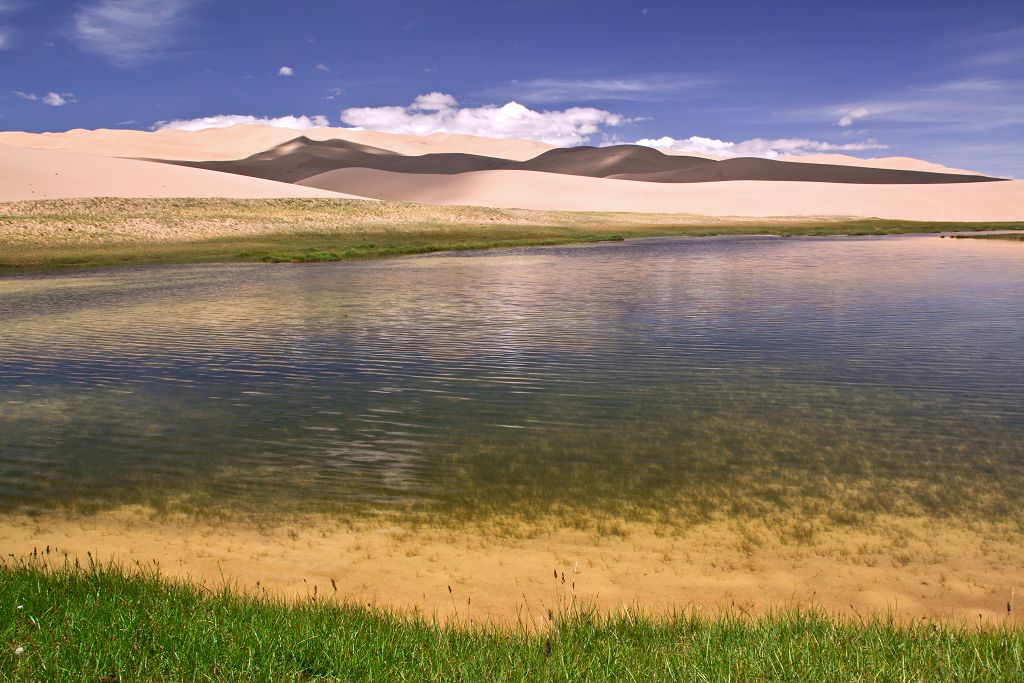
x=49, y=234
x=102, y=623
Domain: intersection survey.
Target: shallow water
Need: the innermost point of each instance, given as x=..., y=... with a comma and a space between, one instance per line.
x=663, y=378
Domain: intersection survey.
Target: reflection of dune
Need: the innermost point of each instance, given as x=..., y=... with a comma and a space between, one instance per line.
x=1002, y=201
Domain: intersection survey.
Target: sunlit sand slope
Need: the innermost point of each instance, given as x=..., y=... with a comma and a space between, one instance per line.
x=997, y=201
x=48, y=174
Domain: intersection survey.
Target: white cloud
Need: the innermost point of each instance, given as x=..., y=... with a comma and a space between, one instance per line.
x=548, y=90
x=434, y=101
x=321, y=67
x=755, y=147
x=55, y=99
x=131, y=32
x=286, y=71
x=226, y=120
x=849, y=117
x=439, y=112
x=967, y=105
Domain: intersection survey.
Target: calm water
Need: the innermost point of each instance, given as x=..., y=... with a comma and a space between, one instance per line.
x=741, y=376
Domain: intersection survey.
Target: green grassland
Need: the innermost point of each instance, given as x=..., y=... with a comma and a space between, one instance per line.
x=100, y=623
x=106, y=232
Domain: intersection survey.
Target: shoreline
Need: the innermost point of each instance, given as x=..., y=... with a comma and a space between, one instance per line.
x=905, y=569
x=52, y=235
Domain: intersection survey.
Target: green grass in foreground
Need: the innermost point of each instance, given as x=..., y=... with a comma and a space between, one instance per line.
x=99, y=624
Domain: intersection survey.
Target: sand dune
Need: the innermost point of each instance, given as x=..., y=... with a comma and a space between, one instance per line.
x=896, y=163
x=1000, y=201
x=241, y=141
x=237, y=142
x=443, y=170
x=304, y=157
x=47, y=174
x=633, y=162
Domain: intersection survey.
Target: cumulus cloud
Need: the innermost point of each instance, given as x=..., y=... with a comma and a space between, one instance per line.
x=755, y=147
x=286, y=71
x=55, y=99
x=131, y=32
x=440, y=113
x=434, y=101
x=226, y=120
x=849, y=117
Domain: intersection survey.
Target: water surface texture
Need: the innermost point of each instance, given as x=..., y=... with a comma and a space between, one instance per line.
x=656, y=378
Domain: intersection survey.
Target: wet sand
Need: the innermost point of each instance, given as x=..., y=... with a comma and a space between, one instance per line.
x=909, y=568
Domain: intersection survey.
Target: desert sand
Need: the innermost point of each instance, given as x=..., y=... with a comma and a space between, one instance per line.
x=47, y=174
x=241, y=141
x=899, y=163
x=999, y=201
x=910, y=568
x=438, y=170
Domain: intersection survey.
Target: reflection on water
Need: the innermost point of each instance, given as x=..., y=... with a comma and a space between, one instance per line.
x=655, y=378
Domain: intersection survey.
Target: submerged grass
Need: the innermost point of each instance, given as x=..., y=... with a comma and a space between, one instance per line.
x=1005, y=236
x=106, y=232
x=102, y=623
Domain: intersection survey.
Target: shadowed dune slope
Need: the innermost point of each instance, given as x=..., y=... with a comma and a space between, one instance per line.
x=1003, y=201
x=752, y=168
x=303, y=158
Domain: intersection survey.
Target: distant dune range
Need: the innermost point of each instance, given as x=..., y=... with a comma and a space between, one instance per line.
x=450, y=169
x=304, y=158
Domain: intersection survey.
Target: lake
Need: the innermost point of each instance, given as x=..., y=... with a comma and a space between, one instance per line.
x=672, y=380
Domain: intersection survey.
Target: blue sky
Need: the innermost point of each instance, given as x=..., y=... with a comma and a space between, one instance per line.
x=943, y=81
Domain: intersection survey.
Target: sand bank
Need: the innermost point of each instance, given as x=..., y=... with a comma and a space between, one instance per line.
x=912, y=568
